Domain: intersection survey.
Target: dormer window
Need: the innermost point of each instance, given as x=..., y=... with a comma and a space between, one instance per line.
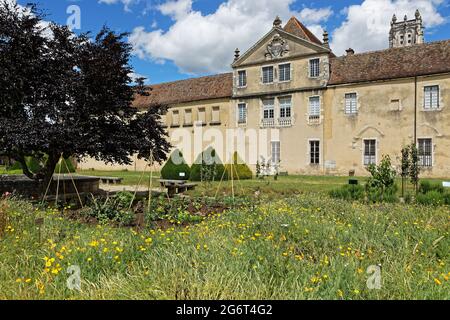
x=267, y=74
x=242, y=79
x=314, y=68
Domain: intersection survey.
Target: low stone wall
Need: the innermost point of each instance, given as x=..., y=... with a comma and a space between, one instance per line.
x=22, y=185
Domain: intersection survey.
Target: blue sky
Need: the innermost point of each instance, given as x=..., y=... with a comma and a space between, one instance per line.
x=177, y=39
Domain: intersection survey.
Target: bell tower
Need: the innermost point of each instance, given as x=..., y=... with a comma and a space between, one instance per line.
x=407, y=32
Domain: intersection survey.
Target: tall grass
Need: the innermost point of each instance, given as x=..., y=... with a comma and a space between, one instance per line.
x=305, y=247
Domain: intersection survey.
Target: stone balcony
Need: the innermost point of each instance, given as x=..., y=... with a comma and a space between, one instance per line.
x=268, y=123
x=314, y=119
x=279, y=123
x=285, y=122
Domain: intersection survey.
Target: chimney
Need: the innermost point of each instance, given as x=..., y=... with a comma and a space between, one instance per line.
x=326, y=39
x=350, y=52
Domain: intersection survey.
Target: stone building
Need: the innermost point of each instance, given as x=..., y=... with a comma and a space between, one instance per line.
x=313, y=112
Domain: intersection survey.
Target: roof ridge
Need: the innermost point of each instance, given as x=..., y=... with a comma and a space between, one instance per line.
x=307, y=33
x=392, y=49
x=187, y=79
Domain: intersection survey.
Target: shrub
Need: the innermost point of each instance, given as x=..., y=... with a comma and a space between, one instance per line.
x=174, y=166
x=379, y=195
x=113, y=209
x=241, y=170
x=427, y=186
x=447, y=198
x=432, y=198
x=348, y=192
x=207, y=167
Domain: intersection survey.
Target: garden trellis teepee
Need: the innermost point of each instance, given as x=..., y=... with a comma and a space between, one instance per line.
x=233, y=176
x=60, y=163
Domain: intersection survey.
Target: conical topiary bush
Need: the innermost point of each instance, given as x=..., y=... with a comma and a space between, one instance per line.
x=176, y=167
x=207, y=167
x=240, y=169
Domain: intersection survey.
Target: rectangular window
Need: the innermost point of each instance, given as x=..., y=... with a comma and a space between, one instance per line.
x=242, y=113
x=268, y=109
x=425, y=150
x=242, y=78
x=370, y=152
x=267, y=74
x=175, y=118
x=285, y=107
x=202, y=115
x=314, y=152
x=285, y=72
x=188, y=117
x=215, y=119
x=314, y=68
x=276, y=152
x=314, y=107
x=431, y=94
x=351, y=103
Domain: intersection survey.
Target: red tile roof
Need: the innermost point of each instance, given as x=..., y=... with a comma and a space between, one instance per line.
x=195, y=89
x=417, y=60
x=295, y=27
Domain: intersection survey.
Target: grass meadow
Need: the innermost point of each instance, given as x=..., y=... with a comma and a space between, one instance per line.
x=304, y=246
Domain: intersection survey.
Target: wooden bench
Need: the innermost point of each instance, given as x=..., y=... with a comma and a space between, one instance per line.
x=176, y=186
x=111, y=180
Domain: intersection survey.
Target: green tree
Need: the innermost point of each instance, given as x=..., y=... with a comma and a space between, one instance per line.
x=69, y=96
x=414, y=168
x=382, y=180
x=405, y=166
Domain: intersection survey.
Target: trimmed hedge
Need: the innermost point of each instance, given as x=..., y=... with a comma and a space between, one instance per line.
x=208, y=160
x=241, y=170
x=171, y=171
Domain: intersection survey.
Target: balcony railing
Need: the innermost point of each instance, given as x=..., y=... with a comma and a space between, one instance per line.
x=314, y=119
x=268, y=123
x=285, y=122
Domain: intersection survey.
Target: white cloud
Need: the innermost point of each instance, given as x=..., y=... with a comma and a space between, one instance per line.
x=126, y=3
x=311, y=15
x=367, y=25
x=199, y=43
x=176, y=9
x=134, y=76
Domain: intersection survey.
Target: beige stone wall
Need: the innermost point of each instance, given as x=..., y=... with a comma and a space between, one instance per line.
x=391, y=123
x=182, y=135
x=294, y=139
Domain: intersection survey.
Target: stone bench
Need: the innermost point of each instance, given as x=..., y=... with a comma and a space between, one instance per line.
x=176, y=186
x=111, y=180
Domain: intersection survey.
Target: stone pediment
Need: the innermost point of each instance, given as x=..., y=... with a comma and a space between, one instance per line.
x=277, y=45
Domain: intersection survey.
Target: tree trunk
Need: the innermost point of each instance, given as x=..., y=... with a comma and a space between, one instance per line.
x=46, y=174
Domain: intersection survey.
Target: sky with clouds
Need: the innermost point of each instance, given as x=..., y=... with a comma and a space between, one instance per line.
x=177, y=39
